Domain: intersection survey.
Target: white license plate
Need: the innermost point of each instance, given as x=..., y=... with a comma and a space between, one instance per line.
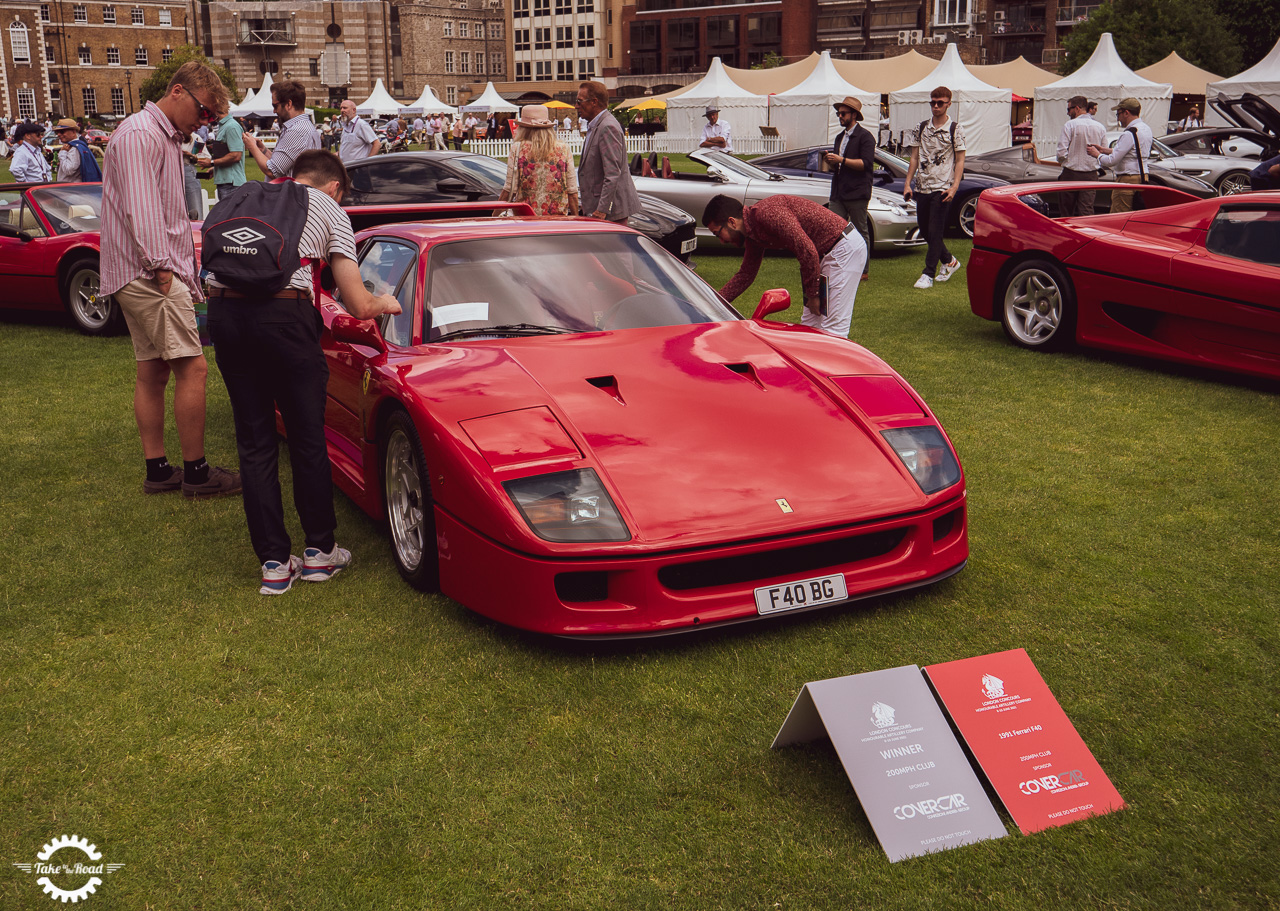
x=805, y=593
x=688, y=246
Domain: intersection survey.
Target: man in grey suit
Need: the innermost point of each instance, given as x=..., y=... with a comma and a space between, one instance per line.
x=604, y=183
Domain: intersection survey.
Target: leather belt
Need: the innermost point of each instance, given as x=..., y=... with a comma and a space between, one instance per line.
x=289, y=294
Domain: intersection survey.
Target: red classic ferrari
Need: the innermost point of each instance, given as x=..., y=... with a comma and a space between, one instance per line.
x=569, y=432
x=1195, y=281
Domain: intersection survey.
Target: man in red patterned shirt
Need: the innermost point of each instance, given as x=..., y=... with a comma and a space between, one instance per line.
x=149, y=264
x=831, y=252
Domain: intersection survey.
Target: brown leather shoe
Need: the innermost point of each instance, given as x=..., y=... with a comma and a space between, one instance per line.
x=170, y=484
x=222, y=482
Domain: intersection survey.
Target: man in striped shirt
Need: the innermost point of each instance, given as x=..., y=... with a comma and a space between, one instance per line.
x=149, y=264
x=269, y=354
x=297, y=132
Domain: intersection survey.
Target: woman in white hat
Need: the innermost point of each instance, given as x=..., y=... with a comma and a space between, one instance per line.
x=540, y=168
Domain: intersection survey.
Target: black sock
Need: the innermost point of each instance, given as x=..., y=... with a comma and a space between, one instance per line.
x=196, y=472
x=159, y=469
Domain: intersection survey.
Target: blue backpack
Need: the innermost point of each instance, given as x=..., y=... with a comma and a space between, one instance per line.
x=250, y=240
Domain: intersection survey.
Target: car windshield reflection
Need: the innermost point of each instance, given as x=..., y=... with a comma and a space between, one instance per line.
x=729, y=164
x=71, y=207
x=557, y=283
x=487, y=171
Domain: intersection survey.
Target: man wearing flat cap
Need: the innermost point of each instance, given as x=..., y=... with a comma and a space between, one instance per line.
x=716, y=134
x=76, y=163
x=851, y=161
x=1129, y=156
x=28, y=164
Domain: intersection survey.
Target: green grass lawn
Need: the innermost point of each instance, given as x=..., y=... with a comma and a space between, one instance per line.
x=360, y=745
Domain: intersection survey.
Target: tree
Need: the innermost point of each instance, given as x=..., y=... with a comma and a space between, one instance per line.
x=155, y=87
x=1147, y=31
x=1257, y=28
x=770, y=61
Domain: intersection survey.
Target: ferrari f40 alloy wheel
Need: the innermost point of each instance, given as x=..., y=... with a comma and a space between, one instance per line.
x=408, y=500
x=93, y=312
x=1039, y=306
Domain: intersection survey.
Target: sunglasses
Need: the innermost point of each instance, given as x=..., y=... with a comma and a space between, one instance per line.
x=206, y=115
x=933, y=103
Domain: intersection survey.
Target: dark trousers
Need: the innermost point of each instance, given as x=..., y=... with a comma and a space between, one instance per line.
x=1077, y=203
x=931, y=216
x=269, y=355
x=855, y=212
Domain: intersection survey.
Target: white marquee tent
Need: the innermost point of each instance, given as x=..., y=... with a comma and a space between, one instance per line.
x=490, y=100
x=256, y=104
x=805, y=115
x=744, y=111
x=1262, y=79
x=379, y=103
x=426, y=103
x=982, y=110
x=1104, y=78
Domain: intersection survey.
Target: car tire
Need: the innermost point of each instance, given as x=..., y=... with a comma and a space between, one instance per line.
x=1039, y=308
x=93, y=313
x=407, y=497
x=1233, y=182
x=966, y=215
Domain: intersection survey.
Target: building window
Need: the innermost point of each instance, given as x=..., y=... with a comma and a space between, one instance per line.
x=113, y=56
x=19, y=42
x=682, y=33
x=448, y=61
x=542, y=7
x=722, y=31
x=90, y=98
x=448, y=29
x=464, y=30
x=79, y=13
x=140, y=56
x=522, y=71
x=117, y=101
x=167, y=54
x=951, y=12
x=450, y=94
x=519, y=10
x=498, y=63
x=135, y=16
x=543, y=69
x=495, y=29
x=587, y=69
x=564, y=7
x=644, y=36
x=26, y=103
x=589, y=6
x=682, y=62
x=564, y=70
x=480, y=67
x=44, y=12
x=166, y=17
x=522, y=39
x=313, y=66
x=109, y=15
x=466, y=61
x=564, y=36
x=50, y=55
x=586, y=36
x=767, y=28
x=86, y=56
x=542, y=39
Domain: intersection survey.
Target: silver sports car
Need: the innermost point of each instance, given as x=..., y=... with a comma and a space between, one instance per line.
x=1226, y=174
x=891, y=220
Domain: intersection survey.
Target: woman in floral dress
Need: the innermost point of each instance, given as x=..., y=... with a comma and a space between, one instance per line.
x=540, y=168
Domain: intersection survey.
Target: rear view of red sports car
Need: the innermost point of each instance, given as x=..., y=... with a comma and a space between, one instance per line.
x=1196, y=281
x=569, y=432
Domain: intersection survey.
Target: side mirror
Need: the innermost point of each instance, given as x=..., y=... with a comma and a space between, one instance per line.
x=451, y=185
x=363, y=332
x=716, y=174
x=773, y=301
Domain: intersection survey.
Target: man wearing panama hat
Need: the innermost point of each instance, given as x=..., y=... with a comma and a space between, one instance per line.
x=851, y=160
x=716, y=134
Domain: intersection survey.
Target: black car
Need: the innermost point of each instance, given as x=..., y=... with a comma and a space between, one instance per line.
x=890, y=174
x=1011, y=165
x=418, y=177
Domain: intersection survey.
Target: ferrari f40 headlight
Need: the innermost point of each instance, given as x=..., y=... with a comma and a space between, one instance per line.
x=568, y=506
x=927, y=456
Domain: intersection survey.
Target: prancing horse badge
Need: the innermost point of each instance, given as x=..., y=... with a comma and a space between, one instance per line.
x=784, y=505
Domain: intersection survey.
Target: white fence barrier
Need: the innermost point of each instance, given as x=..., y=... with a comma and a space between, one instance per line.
x=662, y=143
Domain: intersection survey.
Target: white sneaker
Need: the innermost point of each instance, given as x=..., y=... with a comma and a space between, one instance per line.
x=950, y=269
x=277, y=578
x=321, y=567
x=924, y=282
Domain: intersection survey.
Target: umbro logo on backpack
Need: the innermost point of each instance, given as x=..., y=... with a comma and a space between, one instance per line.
x=251, y=239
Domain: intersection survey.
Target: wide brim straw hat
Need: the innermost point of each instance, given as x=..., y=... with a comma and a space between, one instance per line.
x=852, y=104
x=535, y=117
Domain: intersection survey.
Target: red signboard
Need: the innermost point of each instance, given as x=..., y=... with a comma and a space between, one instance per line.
x=1027, y=747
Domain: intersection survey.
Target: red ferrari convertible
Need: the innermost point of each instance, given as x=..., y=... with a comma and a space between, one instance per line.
x=568, y=431
x=1195, y=281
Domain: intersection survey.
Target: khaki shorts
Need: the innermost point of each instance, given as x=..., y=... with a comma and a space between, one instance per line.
x=162, y=328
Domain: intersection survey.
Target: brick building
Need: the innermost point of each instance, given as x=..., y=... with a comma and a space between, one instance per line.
x=69, y=59
x=455, y=46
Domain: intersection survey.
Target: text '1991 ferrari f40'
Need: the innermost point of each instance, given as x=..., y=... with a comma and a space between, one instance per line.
x=569, y=432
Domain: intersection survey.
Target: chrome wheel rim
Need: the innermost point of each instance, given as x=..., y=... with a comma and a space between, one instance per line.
x=1033, y=306
x=404, y=500
x=92, y=308
x=1233, y=184
x=969, y=215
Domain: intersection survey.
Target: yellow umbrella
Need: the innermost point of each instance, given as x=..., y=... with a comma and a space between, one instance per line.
x=650, y=104
x=558, y=104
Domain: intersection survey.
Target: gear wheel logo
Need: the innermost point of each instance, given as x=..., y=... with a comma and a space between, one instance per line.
x=69, y=869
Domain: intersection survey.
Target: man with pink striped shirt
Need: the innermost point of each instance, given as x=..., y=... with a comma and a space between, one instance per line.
x=149, y=264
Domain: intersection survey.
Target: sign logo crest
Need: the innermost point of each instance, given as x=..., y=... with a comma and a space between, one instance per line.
x=993, y=686
x=882, y=715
